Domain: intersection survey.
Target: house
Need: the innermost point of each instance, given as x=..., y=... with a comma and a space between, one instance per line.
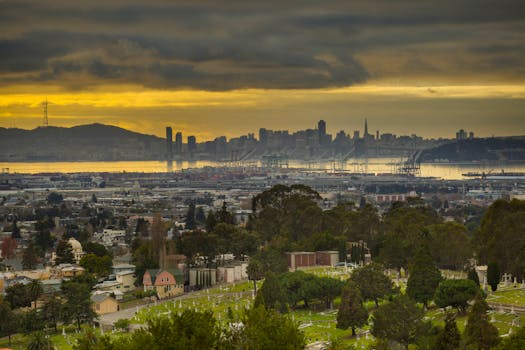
x=117, y=268
x=104, y=303
x=69, y=270
x=126, y=280
x=166, y=283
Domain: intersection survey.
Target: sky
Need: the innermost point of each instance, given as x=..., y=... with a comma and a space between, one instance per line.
x=212, y=67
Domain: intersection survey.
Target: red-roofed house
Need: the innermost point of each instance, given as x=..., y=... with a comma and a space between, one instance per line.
x=166, y=283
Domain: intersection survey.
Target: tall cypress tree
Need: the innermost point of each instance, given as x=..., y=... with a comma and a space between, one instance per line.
x=449, y=338
x=493, y=275
x=424, y=277
x=190, y=217
x=479, y=332
x=351, y=312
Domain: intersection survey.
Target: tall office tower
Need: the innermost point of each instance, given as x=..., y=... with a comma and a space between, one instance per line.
x=377, y=134
x=192, y=143
x=263, y=136
x=356, y=134
x=178, y=143
x=169, y=143
x=321, y=129
x=366, y=129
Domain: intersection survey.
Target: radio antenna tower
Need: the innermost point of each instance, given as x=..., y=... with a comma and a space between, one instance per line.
x=44, y=109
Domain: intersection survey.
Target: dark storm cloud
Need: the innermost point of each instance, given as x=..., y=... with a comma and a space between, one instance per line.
x=238, y=44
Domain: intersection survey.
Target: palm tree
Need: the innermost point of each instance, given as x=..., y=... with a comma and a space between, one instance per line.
x=40, y=341
x=35, y=290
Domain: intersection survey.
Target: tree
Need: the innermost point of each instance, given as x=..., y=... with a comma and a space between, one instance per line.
x=18, y=295
x=329, y=289
x=190, y=330
x=270, y=294
x=267, y=329
x=123, y=324
x=55, y=198
x=255, y=272
x=94, y=198
x=143, y=258
x=78, y=306
x=405, y=231
x=372, y=282
x=98, y=265
x=493, y=275
x=10, y=320
x=450, y=245
x=211, y=221
x=455, y=293
x=64, y=253
x=473, y=276
x=95, y=248
x=351, y=312
x=200, y=216
x=501, y=230
x=90, y=341
x=35, y=290
x=399, y=320
x=8, y=247
x=40, y=341
x=516, y=341
x=190, y=217
x=479, y=332
x=29, y=258
x=15, y=231
x=424, y=277
x=51, y=311
x=158, y=239
x=449, y=338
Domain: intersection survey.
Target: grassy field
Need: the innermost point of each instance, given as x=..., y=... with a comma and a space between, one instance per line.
x=511, y=296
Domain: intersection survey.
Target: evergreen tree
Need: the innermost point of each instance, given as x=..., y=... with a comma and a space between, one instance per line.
x=473, y=276
x=270, y=295
x=351, y=312
x=64, y=253
x=455, y=293
x=200, y=217
x=424, y=277
x=449, y=338
x=15, y=231
x=29, y=257
x=211, y=221
x=372, y=282
x=479, y=332
x=514, y=342
x=190, y=217
x=399, y=320
x=493, y=275
x=78, y=306
x=51, y=311
x=10, y=321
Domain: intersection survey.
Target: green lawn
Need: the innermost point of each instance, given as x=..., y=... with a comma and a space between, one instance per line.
x=511, y=296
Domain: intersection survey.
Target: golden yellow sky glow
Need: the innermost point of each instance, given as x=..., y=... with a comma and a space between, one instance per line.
x=123, y=105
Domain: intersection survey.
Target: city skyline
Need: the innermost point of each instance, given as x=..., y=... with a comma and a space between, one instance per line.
x=228, y=68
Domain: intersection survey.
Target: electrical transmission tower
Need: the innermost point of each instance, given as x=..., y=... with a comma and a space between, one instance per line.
x=44, y=109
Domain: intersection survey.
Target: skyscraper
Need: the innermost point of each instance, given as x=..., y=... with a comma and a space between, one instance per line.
x=366, y=129
x=321, y=129
x=178, y=143
x=192, y=143
x=169, y=143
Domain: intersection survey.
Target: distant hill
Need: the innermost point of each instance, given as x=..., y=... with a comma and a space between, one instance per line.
x=93, y=142
x=495, y=148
